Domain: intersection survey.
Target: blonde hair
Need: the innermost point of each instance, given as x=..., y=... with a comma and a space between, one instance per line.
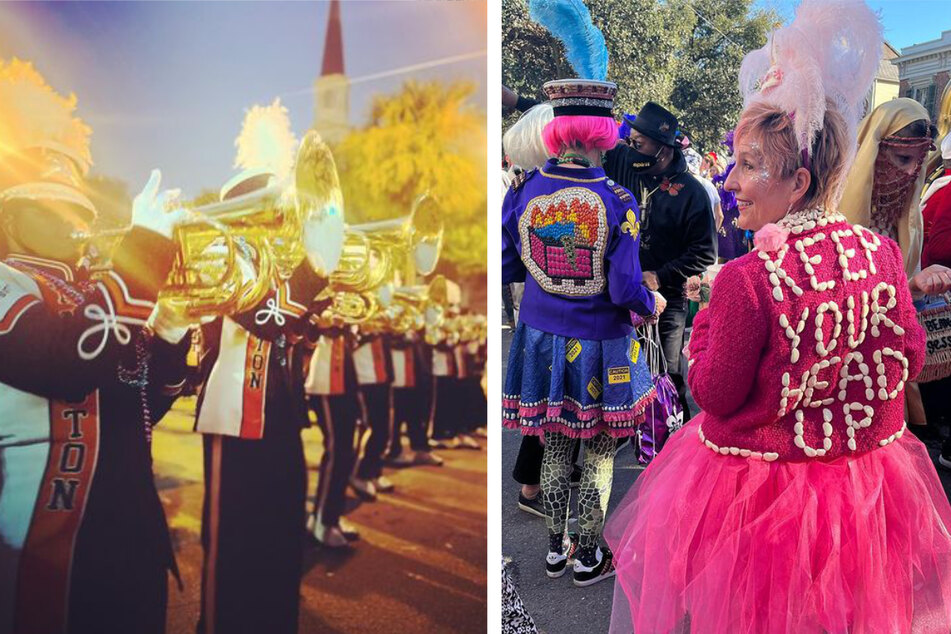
x=523, y=142
x=831, y=154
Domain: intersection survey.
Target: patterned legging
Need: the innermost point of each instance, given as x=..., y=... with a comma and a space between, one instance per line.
x=596, y=477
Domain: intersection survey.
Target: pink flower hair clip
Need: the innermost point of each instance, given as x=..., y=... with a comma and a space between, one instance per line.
x=770, y=237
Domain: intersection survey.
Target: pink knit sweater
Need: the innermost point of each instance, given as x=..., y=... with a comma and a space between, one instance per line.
x=804, y=351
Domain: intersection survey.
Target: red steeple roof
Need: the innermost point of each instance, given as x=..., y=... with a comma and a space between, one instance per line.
x=333, y=43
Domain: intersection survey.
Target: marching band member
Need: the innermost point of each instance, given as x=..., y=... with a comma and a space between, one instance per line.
x=374, y=373
x=84, y=546
x=412, y=400
x=252, y=411
x=332, y=395
x=445, y=417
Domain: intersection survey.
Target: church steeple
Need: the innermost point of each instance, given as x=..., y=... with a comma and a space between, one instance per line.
x=333, y=43
x=332, y=89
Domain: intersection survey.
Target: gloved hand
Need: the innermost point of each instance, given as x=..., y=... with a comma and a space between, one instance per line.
x=155, y=211
x=169, y=322
x=323, y=239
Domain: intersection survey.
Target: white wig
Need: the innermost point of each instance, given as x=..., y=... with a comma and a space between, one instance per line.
x=523, y=142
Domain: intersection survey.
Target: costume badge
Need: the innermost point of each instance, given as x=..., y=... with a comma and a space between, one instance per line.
x=572, y=350
x=594, y=387
x=621, y=374
x=634, y=351
x=620, y=192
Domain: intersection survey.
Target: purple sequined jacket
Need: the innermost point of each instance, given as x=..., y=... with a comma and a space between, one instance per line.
x=576, y=234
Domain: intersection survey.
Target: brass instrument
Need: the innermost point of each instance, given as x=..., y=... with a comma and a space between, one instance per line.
x=376, y=255
x=228, y=254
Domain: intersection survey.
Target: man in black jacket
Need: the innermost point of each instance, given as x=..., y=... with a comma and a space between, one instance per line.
x=677, y=230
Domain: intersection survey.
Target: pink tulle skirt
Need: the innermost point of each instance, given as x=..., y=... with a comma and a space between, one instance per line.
x=724, y=544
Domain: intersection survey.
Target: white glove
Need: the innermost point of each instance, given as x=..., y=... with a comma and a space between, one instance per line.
x=169, y=322
x=151, y=209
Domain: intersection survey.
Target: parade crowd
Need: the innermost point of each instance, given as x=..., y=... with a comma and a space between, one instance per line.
x=263, y=305
x=802, y=254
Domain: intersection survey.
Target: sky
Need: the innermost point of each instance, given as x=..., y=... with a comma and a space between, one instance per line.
x=906, y=22
x=165, y=84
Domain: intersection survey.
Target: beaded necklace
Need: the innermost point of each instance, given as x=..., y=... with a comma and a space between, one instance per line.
x=576, y=159
x=137, y=377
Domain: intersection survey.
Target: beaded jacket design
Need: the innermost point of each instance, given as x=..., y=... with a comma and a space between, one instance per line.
x=805, y=350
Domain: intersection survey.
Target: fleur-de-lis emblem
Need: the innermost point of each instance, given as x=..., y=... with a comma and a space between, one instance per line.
x=631, y=225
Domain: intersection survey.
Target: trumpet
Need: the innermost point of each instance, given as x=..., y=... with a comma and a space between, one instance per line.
x=228, y=255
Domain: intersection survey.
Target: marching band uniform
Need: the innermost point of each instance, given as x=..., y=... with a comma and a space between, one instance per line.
x=252, y=412
x=81, y=383
x=331, y=389
x=412, y=396
x=446, y=392
x=374, y=373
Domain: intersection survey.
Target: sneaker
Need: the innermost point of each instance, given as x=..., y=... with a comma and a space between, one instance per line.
x=534, y=505
x=364, y=488
x=944, y=458
x=330, y=536
x=557, y=563
x=604, y=569
x=427, y=458
x=400, y=460
x=467, y=441
x=348, y=530
x=384, y=485
x=446, y=443
x=481, y=432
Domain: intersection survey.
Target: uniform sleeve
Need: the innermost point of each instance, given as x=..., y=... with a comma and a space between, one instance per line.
x=513, y=270
x=623, y=267
x=698, y=237
x=284, y=308
x=727, y=343
x=66, y=355
x=167, y=374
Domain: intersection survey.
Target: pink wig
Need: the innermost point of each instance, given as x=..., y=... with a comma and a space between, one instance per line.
x=577, y=132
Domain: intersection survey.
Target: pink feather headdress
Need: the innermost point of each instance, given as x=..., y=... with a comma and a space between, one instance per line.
x=830, y=50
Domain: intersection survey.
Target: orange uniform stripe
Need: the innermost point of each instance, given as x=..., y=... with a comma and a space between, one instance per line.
x=379, y=362
x=337, y=357
x=46, y=561
x=255, y=386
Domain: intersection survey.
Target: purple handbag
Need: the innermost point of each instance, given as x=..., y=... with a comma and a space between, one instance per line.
x=664, y=415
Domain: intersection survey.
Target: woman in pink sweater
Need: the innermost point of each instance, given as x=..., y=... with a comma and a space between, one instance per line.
x=795, y=502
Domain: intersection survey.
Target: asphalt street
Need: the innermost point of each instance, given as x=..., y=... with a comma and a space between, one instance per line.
x=418, y=567
x=556, y=605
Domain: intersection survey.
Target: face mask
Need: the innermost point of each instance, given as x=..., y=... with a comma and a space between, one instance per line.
x=639, y=161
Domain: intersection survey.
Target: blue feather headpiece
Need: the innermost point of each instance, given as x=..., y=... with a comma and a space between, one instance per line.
x=570, y=22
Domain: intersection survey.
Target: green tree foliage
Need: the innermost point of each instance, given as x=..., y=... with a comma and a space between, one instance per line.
x=658, y=51
x=427, y=137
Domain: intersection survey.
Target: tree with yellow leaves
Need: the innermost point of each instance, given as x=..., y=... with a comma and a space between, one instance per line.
x=427, y=137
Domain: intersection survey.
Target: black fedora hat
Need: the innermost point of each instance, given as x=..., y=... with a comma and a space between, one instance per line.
x=657, y=123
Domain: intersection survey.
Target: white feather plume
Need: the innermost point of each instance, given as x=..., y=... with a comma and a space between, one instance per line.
x=266, y=140
x=830, y=50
